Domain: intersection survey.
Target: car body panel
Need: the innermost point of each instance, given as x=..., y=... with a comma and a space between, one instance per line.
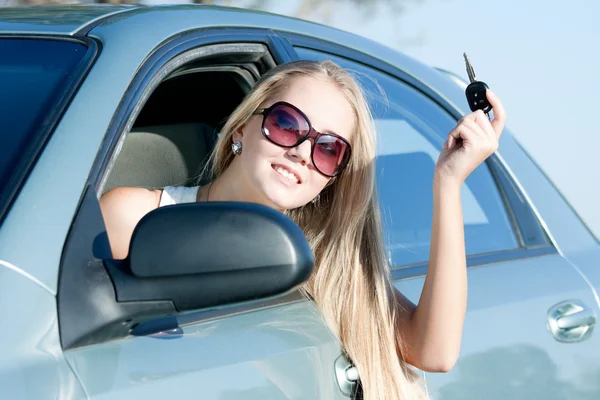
x=275, y=353
x=54, y=19
x=507, y=351
x=32, y=366
x=570, y=235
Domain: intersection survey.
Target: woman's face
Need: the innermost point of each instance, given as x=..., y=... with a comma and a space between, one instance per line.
x=266, y=167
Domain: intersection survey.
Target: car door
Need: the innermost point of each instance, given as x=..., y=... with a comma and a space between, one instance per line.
x=516, y=342
x=274, y=349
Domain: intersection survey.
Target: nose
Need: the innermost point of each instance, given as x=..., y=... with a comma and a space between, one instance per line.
x=301, y=153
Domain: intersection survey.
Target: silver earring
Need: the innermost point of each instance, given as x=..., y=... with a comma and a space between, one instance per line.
x=316, y=199
x=236, y=148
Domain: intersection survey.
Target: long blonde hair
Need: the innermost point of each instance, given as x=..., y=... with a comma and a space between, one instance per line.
x=351, y=283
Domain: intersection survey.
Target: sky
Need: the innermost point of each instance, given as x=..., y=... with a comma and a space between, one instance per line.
x=540, y=57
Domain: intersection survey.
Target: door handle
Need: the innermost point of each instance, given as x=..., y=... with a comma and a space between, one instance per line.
x=346, y=375
x=571, y=321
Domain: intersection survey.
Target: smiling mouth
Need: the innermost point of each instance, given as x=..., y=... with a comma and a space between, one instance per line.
x=286, y=173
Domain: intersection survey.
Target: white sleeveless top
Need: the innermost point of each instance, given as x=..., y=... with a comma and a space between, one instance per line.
x=177, y=195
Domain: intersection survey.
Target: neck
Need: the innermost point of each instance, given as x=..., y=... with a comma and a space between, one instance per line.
x=232, y=185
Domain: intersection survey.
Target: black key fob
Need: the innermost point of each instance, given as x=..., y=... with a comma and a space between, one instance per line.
x=476, y=96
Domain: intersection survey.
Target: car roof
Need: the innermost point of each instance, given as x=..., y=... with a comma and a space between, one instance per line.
x=147, y=27
x=55, y=19
x=79, y=19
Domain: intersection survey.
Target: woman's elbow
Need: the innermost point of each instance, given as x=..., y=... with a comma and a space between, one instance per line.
x=437, y=363
x=441, y=366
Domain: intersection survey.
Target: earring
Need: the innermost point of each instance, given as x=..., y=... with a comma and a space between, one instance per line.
x=236, y=148
x=316, y=199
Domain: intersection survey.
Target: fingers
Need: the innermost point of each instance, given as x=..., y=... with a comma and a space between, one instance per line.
x=473, y=128
x=478, y=117
x=476, y=125
x=499, y=113
x=483, y=121
x=480, y=125
x=462, y=131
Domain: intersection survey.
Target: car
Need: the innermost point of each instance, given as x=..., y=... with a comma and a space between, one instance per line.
x=101, y=96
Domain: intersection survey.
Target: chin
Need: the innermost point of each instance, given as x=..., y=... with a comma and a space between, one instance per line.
x=282, y=195
x=283, y=200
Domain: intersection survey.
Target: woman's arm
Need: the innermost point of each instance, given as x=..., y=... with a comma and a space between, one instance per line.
x=122, y=209
x=432, y=330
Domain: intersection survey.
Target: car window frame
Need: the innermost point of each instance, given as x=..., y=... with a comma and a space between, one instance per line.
x=163, y=55
x=531, y=234
x=54, y=116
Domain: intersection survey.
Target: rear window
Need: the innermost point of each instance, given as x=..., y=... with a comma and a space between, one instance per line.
x=37, y=78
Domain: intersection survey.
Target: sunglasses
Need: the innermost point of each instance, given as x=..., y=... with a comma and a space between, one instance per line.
x=287, y=126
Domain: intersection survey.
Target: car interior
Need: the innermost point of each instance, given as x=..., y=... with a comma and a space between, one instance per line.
x=177, y=128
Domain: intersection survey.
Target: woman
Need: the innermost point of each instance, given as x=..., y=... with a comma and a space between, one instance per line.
x=302, y=141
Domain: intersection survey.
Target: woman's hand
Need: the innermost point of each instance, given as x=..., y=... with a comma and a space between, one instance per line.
x=472, y=141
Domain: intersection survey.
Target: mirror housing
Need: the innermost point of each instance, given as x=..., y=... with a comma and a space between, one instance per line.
x=185, y=257
x=199, y=255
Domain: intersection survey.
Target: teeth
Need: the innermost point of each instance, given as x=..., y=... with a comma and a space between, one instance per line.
x=287, y=174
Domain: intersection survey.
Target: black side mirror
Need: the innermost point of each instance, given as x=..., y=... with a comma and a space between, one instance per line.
x=184, y=257
x=200, y=255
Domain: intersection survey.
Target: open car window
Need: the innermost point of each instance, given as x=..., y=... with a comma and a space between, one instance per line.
x=172, y=137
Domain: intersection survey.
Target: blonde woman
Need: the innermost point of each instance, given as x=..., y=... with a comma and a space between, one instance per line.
x=302, y=142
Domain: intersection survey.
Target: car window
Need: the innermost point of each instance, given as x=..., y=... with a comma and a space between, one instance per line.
x=34, y=74
x=411, y=129
x=172, y=136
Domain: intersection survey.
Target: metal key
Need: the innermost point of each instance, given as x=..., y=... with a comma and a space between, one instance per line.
x=476, y=91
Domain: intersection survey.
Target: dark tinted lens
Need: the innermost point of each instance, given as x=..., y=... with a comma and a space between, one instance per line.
x=285, y=126
x=330, y=154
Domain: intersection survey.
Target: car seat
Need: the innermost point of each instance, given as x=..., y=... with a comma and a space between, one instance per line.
x=163, y=155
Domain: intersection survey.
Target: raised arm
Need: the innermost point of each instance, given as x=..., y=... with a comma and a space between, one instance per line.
x=433, y=329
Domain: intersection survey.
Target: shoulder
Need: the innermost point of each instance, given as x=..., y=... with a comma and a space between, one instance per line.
x=131, y=199
x=122, y=209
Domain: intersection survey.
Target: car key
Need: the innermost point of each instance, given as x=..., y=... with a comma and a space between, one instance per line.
x=476, y=91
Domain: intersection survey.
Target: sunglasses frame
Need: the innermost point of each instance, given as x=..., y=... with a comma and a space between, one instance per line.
x=312, y=133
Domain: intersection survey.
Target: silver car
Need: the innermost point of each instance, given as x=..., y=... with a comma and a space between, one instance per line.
x=94, y=97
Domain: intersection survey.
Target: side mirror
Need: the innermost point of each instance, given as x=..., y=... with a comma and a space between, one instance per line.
x=183, y=257
x=200, y=255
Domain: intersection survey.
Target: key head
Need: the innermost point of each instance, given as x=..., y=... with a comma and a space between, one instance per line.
x=476, y=96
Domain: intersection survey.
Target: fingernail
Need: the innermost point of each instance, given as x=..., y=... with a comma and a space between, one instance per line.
x=491, y=94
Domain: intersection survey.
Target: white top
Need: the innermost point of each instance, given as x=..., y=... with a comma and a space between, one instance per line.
x=177, y=195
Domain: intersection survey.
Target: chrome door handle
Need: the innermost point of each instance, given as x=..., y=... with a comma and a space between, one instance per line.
x=346, y=375
x=571, y=321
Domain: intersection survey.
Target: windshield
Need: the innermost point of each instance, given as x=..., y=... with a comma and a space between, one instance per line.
x=37, y=78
